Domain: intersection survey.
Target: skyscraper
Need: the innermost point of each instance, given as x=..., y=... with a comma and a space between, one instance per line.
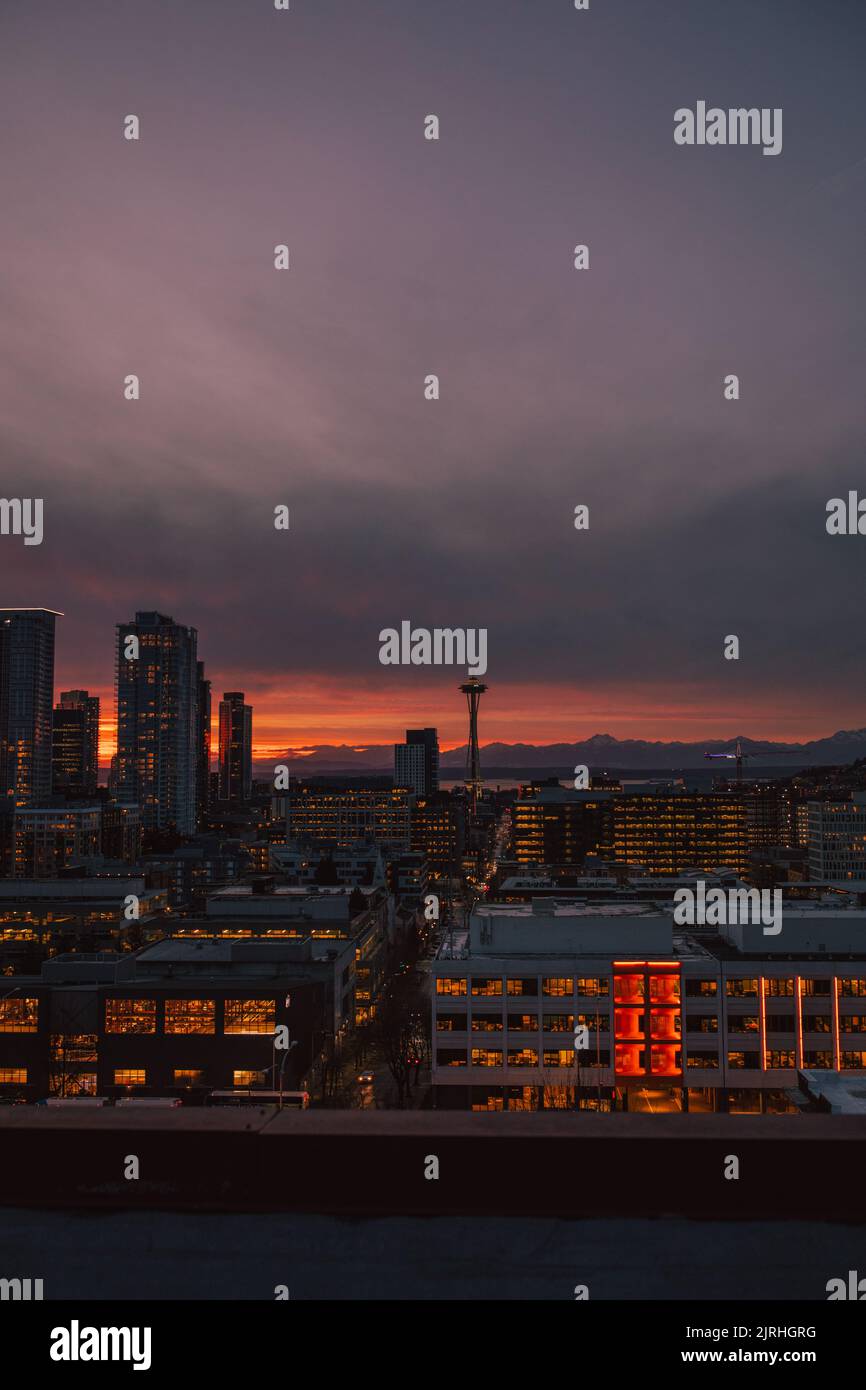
x=202, y=788
x=157, y=720
x=416, y=762
x=236, y=747
x=75, y=747
x=26, y=699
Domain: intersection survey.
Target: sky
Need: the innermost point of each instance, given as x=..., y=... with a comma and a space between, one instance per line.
x=559, y=387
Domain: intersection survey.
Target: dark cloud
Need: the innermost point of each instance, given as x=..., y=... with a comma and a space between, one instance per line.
x=605, y=387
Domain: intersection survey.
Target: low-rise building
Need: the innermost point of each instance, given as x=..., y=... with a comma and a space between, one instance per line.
x=663, y=1018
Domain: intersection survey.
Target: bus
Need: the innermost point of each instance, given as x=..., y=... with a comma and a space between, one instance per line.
x=156, y=1102
x=285, y=1100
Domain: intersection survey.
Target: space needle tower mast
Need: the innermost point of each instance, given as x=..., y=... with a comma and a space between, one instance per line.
x=473, y=690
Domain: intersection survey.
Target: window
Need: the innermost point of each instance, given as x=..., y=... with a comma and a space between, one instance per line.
x=522, y=1057
x=13, y=1076
x=250, y=1015
x=446, y=985
x=780, y=1023
x=130, y=1015
x=853, y=1061
x=780, y=1058
x=72, y=1048
x=664, y=989
x=248, y=1078
x=703, y=989
x=130, y=1077
x=524, y=986
x=190, y=1016
x=702, y=1023
x=595, y=1023
x=629, y=989
x=522, y=1023
x=19, y=1015
x=816, y=988
x=72, y=1083
x=450, y=1023
x=593, y=988
x=822, y=1060
x=743, y=1023
x=450, y=1057
x=486, y=1057
x=558, y=1023
x=777, y=989
x=817, y=1023
x=851, y=989
x=557, y=986
x=558, y=1057
x=745, y=1059
x=741, y=989
x=705, y=1060
x=486, y=1023
x=188, y=1076
x=486, y=987
x=852, y=1023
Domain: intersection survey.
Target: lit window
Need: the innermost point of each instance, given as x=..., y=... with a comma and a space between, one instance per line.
x=486, y=987
x=558, y=1057
x=779, y=1058
x=13, y=1076
x=252, y=1015
x=522, y=1057
x=72, y=1083
x=446, y=985
x=190, y=1016
x=248, y=1078
x=558, y=986
x=19, y=1015
x=188, y=1076
x=130, y=1015
x=524, y=986
x=486, y=1057
x=130, y=1077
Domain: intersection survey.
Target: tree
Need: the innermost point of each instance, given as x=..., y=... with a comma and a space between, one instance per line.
x=400, y=1034
x=326, y=873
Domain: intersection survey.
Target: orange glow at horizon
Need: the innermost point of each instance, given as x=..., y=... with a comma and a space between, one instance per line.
x=315, y=710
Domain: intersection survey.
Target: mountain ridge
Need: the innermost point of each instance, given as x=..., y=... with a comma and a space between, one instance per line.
x=600, y=750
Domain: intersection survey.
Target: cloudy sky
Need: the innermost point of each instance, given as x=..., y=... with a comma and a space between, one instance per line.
x=409, y=257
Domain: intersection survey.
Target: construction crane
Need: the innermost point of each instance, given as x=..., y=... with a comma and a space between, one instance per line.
x=739, y=757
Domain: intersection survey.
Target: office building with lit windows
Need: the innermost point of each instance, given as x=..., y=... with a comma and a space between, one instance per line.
x=179, y=1018
x=556, y=825
x=667, y=831
x=49, y=839
x=236, y=748
x=416, y=762
x=666, y=1019
x=837, y=839
x=75, y=743
x=203, y=741
x=438, y=831
x=26, y=701
x=40, y=917
x=346, y=815
x=157, y=721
